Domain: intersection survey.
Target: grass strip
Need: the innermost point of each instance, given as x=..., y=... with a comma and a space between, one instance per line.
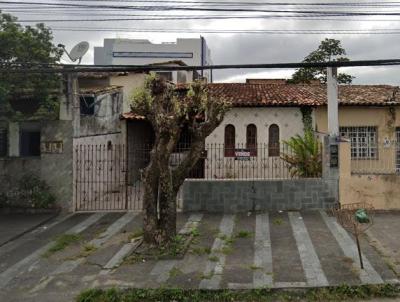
x=338, y=293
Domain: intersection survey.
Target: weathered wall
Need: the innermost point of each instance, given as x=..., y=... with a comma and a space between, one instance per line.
x=129, y=83
x=249, y=195
x=54, y=168
x=382, y=191
x=106, y=118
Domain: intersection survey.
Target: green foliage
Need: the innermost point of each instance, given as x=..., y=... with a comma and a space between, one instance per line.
x=29, y=192
x=306, y=113
x=36, y=191
x=340, y=293
x=27, y=45
x=244, y=234
x=328, y=50
x=304, y=155
x=62, y=242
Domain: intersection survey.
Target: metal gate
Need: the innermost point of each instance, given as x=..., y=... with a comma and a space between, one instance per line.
x=102, y=181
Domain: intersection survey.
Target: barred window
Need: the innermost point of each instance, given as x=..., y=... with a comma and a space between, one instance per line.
x=363, y=141
x=3, y=141
x=251, y=139
x=229, y=140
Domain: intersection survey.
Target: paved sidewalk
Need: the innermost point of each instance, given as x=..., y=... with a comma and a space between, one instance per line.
x=275, y=249
x=14, y=225
x=385, y=236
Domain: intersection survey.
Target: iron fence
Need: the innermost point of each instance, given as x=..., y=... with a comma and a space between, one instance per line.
x=109, y=177
x=218, y=161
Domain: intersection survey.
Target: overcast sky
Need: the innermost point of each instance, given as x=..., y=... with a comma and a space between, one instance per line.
x=240, y=48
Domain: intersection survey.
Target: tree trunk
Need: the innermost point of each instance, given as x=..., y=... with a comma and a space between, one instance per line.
x=150, y=219
x=159, y=223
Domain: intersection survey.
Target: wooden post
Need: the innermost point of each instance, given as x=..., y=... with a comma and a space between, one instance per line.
x=333, y=107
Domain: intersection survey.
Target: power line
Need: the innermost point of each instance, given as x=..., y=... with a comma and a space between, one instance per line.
x=208, y=9
x=230, y=3
x=68, y=68
x=394, y=31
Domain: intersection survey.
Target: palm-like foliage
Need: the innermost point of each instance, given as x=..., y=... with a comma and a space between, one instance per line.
x=304, y=155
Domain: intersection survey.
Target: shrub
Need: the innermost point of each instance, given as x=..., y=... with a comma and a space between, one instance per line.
x=305, y=157
x=29, y=192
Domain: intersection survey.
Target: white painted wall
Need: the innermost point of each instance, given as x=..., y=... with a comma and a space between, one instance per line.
x=288, y=119
x=107, y=55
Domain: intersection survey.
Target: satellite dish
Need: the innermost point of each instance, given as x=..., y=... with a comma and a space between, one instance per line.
x=77, y=52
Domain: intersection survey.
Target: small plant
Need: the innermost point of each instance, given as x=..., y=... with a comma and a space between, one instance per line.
x=62, y=242
x=213, y=258
x=88, y=249
x=135, y=234
x=195, y=232
x=176, y=246
x=174, y=272
x=243, y=234
x=254, y=267
x=277, y=221
x=35, y=192
x=305, y=158
x=201, y=250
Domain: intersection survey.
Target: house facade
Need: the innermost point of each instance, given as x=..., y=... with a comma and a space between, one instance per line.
x=99, y=165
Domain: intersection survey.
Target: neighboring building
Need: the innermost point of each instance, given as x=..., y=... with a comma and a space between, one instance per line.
x=194, y=52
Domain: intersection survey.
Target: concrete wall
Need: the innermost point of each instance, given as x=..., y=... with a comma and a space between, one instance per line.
x=129, y=83
x=381, y=191
x=249, y=195
x=54, y=168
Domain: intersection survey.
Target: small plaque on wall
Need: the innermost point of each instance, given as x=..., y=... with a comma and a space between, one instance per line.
x=55, y=147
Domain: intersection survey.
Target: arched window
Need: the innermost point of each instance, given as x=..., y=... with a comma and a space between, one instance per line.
x=273, y=140
x=229, y=140
x=251, y=139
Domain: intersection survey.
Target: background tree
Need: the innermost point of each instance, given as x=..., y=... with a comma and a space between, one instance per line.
x=169, y=110
x=328, y=50
x=26, y=45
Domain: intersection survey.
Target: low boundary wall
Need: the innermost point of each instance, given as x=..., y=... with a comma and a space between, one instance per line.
x=230, y=196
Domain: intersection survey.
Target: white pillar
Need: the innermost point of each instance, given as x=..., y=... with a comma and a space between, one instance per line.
x=333, y=107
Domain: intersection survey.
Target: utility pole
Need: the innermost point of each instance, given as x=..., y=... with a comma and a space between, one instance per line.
x=73, y=99
x=333, y=106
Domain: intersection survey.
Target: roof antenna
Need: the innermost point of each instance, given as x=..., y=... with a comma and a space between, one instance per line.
x=77, y=52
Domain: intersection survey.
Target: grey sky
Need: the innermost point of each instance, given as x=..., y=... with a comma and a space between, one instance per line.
x=245, y=48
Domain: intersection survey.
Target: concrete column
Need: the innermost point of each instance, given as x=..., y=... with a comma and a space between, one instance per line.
x=333, y=107
x=73, y=98
x=13, y=146
x=65, y=113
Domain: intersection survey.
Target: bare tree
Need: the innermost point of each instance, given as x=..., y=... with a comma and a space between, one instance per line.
x=169, y=109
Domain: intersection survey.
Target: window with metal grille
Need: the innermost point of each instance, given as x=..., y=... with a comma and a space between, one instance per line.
x=251, y=139
x=273, y=140
x=363, y=141
x=229, y=140
x=3, y=141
